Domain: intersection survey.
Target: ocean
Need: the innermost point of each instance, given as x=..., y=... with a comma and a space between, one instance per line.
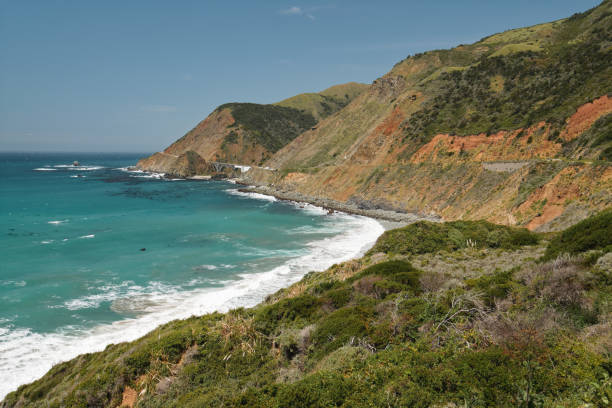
x=95, y=254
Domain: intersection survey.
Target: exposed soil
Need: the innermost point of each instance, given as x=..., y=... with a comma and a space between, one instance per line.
x=585, y=116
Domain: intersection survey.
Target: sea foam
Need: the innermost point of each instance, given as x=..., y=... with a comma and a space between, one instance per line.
x=26, y=356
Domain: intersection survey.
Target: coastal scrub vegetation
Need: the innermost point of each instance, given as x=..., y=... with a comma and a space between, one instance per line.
x=544, y=77
x=436, y=314
x=271, y=126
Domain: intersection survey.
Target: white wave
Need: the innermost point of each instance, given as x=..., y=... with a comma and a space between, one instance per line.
x=129, y=170
x=256, y=196
x=81, y=168
x=88, y=236
x=44, y=169
x=25, y=356
x=46, y=242
x=150, y=175
x=85, y=168
x=77, y=176
x=309, y=229
x=123, y=291
x=57, y=222
x=310, y=208
x=204, y=267
x=19, y=283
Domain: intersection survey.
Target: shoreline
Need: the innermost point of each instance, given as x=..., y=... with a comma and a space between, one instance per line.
x=248, y=291
x=390, y=219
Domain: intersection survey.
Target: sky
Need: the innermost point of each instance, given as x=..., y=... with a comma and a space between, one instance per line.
x=133, y=76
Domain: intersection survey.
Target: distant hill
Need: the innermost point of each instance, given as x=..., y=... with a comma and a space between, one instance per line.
x=321, y=105
x=249, y=133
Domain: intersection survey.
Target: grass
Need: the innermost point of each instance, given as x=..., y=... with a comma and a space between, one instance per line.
x=509, y=49
x=323, y=104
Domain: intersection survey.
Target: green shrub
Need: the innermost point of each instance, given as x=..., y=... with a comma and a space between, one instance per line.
x=592, y=233
x=271, y=126
x=334, y=330
x=338, y=297
x=427, y=237
x=397, y=271
x=495, y=286
x=302, y=307
x=323, y=389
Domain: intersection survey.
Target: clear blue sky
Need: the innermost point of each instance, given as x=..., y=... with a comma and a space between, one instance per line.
x=136, y=75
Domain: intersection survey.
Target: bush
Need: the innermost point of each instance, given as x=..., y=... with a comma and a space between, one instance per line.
x=325, y=389
x=301, y=307
x=590, y=234
x=335, y=330
x=495, y=286
x=428, y=237
x=397, y=271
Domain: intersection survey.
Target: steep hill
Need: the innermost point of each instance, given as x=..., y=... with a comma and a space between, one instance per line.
x=434, y=315
x=322, y=104
x=249, y=133
x=515, y=128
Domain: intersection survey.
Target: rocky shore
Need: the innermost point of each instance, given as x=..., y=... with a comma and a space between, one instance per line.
x=333, y=205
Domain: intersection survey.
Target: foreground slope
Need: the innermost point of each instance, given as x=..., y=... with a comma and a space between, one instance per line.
x=249, y=133
x=435, y=314
x=515, y=128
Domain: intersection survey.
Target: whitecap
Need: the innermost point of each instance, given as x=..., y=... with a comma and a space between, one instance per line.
x=57, y=222
x=150, y=175
x=80, y=167
x=249, y=194
x=88, y=236
x=204, y=267
x=85, y=168
x=44, y=169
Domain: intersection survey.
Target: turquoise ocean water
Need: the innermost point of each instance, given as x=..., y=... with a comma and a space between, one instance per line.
x=94, y=254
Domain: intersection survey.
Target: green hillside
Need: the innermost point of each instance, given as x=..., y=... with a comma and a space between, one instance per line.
x=269, y=125
x=323, y=104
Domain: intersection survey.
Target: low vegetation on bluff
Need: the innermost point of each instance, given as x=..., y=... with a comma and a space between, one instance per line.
x=451, y=314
